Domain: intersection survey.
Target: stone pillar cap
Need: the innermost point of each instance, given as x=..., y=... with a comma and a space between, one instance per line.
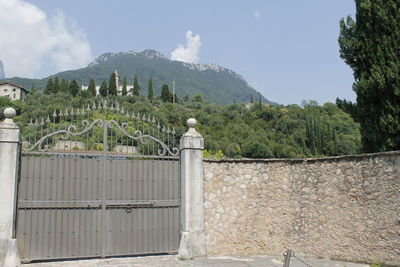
x=9, y=113
x=191, y=122
x=192, y=131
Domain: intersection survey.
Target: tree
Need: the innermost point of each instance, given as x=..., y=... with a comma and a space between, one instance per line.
x=56, y=86
x=370, y=46
x=103, y=89
x=85, y=94
x=92, y=87
x=150, y=90
x=176, y=99
x=136, y=87
x=74, y=88
x=49, y=87
x=112, y=85
x=64, y=85
x=165, y=94
x=124, y=90
x=197, y=98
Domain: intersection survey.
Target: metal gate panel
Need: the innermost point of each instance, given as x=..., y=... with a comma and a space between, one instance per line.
x=95, y=185
x=59, y=208
x=142, y=206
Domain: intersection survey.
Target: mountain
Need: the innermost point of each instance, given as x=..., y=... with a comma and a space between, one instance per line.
x=2, y=75
x=216, y=84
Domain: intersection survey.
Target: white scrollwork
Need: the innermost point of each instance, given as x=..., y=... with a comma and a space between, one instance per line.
x=144, y=138
x=70, y=131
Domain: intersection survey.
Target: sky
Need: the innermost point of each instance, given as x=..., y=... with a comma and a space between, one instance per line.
x=286, y=49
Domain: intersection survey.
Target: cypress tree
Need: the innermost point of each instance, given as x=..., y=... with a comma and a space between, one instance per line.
x=370, y=46
x=64, y=85
x=136, y=87
x=124, y=90
x=92, y=87
x=165, y=94
x=56, y=86
x=49, y=87
x=150, y=90
x=103, y=89
x=175, y=98
x=112, y=85
x=74, y=88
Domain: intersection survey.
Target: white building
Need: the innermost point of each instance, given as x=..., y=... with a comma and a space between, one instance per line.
x=129, y=87
x=12, y=91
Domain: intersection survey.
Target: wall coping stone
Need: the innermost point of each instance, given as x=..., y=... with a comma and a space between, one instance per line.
x=301, y=160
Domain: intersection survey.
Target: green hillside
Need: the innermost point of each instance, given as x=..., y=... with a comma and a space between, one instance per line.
x=234, y=130
x=215, y=83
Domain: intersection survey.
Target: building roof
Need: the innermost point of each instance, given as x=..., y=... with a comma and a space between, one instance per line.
x=3, y=83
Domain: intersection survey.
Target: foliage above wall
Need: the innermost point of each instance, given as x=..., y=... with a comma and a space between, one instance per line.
x=238, y=130
x=370, y=45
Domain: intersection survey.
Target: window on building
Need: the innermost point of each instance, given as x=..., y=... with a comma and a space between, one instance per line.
x=5, y=90
x=14, y=89
x=14, y=96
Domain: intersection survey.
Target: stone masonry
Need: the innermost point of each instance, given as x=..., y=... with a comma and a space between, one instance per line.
x=345, y=208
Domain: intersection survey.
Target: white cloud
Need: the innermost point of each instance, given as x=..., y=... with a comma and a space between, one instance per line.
x=190, y=53
x=31, y=41
x=258, y=14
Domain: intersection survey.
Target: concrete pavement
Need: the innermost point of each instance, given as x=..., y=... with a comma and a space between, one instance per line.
x=174, y=261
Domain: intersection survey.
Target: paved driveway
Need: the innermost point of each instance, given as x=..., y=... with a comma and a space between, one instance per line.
x=173, y=261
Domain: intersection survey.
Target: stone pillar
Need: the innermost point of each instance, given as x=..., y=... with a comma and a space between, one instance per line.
x=192, y=193
x=10, y=143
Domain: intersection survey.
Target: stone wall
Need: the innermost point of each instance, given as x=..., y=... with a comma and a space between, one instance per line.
x=345, y=208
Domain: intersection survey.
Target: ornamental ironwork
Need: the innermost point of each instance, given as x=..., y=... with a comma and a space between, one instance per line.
x=103, y=127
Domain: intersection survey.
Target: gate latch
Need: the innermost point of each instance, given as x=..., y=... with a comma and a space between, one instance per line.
x=128, y=209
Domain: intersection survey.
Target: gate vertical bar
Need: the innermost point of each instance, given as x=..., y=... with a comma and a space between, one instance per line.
x=103, y=193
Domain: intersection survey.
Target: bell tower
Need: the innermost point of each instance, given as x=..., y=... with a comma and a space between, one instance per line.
x=116, y=80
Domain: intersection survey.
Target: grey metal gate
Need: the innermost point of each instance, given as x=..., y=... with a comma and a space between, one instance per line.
x=75, y=201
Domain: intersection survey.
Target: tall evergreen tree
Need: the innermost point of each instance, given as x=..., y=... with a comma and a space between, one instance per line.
x=150, y=92
x=124, y=90
x=49, y=87
x=56, y=86
x=92, y=87
x=112, y=85
x=176, y=99
x=370, y=46
x=136, y=87
x=64, y=85
x=103, y=89
x=74, y=88
x=165, y=94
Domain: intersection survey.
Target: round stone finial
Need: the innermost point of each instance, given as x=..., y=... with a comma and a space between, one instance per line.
x=9, y=113
x=191, y=122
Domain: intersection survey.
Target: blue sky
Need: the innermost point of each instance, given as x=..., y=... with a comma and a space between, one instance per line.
x=287, y=50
